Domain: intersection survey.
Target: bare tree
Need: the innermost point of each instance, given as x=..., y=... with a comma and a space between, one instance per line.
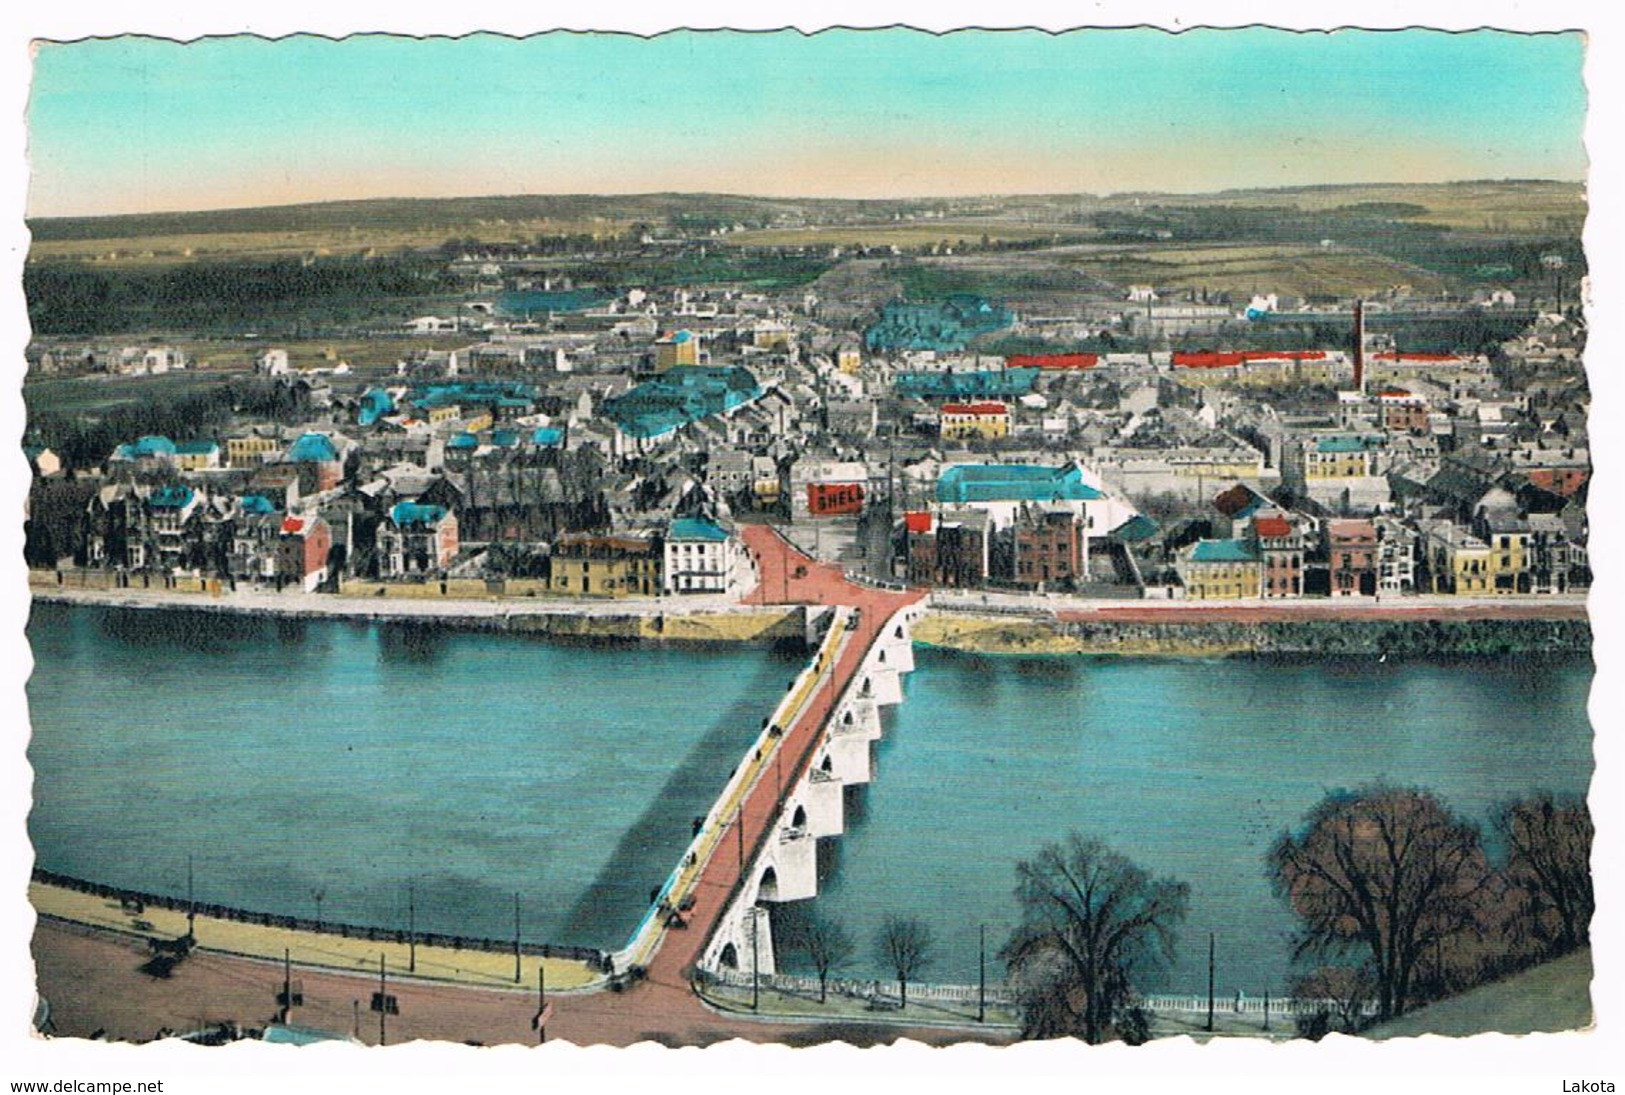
x=1385, y=870
x=1548, y=849
x=1343, y=992
x=828, y=947
x=1091, y=922
x=906, y=946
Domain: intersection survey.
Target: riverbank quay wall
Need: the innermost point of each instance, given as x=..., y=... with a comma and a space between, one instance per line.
x=784, y=865
x=1005, y=633
x=665, y=621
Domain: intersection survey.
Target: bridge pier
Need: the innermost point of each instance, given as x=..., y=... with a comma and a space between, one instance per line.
x=786, y=866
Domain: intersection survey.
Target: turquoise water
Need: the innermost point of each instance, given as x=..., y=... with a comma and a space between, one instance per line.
x=1189, y=767
x=290, y=757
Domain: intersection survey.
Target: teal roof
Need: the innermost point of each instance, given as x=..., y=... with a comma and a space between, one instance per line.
x=170, y=497
x=463, y=441
x=504, y=439
x=413, y=513
x=547, y=435
x=696, y=528
x=255, y=503
x=1343, y=444
x=316, y=448
x=196, y=448
x=1013, y=483
x=145, y=448
x=1136, y=528
x=680, y=395
x=1224, y=551
x=936, y=325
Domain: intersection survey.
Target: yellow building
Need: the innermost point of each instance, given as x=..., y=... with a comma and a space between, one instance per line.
x=849, y=360
x=1509, y=556
x=967, y=421
x=1337, y=458
x=606, y=566
x=1458, y=561
x=249, y=452
x=677, y=348
x=1219, y=570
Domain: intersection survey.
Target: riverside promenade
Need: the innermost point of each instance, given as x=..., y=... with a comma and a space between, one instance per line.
x=92, y=979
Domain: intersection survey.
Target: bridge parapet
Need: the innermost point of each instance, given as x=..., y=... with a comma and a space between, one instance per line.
x=785, y=869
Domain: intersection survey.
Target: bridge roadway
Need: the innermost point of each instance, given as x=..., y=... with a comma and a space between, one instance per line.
x=786, y=577
x=92, y=978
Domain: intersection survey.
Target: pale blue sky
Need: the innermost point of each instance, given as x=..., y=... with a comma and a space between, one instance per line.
x=138, y=124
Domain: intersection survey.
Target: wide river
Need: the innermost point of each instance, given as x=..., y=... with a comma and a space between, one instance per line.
x=347, y=759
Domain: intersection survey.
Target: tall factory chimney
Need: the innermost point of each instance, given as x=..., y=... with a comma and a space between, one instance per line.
x=1359, y=346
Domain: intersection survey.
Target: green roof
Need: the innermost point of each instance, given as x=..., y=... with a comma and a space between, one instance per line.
x=1224, y=551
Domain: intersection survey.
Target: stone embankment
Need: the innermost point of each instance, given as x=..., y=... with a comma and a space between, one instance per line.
x=1218, y=638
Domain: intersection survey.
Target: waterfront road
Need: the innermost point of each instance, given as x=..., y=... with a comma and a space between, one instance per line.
x=93, y=981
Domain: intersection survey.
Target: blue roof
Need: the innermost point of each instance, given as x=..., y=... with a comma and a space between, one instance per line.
x=170, y=497
x=375, y=403
x=1013, y=483
x=255, y=503
x=682, y=336
x=463, y=441
x=414, y=513
x=1224, y=551
x=547, y=435
x=197, y=448
x=504, y=439
x=313, y=448
x=696, y=528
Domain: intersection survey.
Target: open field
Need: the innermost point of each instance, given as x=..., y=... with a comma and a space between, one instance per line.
x=1294, y=269
x=908, y=234
x=382, y=236
x=1490, y=205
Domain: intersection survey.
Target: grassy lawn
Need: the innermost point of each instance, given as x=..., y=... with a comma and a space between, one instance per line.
x=1552, y=997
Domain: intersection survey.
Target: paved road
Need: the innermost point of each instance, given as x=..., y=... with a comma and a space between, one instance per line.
x=93, y=982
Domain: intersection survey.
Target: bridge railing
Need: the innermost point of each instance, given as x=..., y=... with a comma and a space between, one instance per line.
x=721, y=818
x=1246, y=1005
x=883, y=989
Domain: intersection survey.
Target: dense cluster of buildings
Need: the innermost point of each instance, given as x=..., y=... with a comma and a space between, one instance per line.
x=610, y=450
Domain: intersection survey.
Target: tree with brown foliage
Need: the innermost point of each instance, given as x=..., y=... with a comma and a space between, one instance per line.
x=1092, y=921
x=1385, y=870
x=1548, y=850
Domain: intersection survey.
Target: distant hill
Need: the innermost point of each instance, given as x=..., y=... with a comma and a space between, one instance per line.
x=1516, y=201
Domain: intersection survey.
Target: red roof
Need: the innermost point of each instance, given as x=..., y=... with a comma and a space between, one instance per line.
x=293, y=524
x=917, y=522
x=975, y=408
x=1272, y=527
x=1052, y=361
x=1225, y=359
